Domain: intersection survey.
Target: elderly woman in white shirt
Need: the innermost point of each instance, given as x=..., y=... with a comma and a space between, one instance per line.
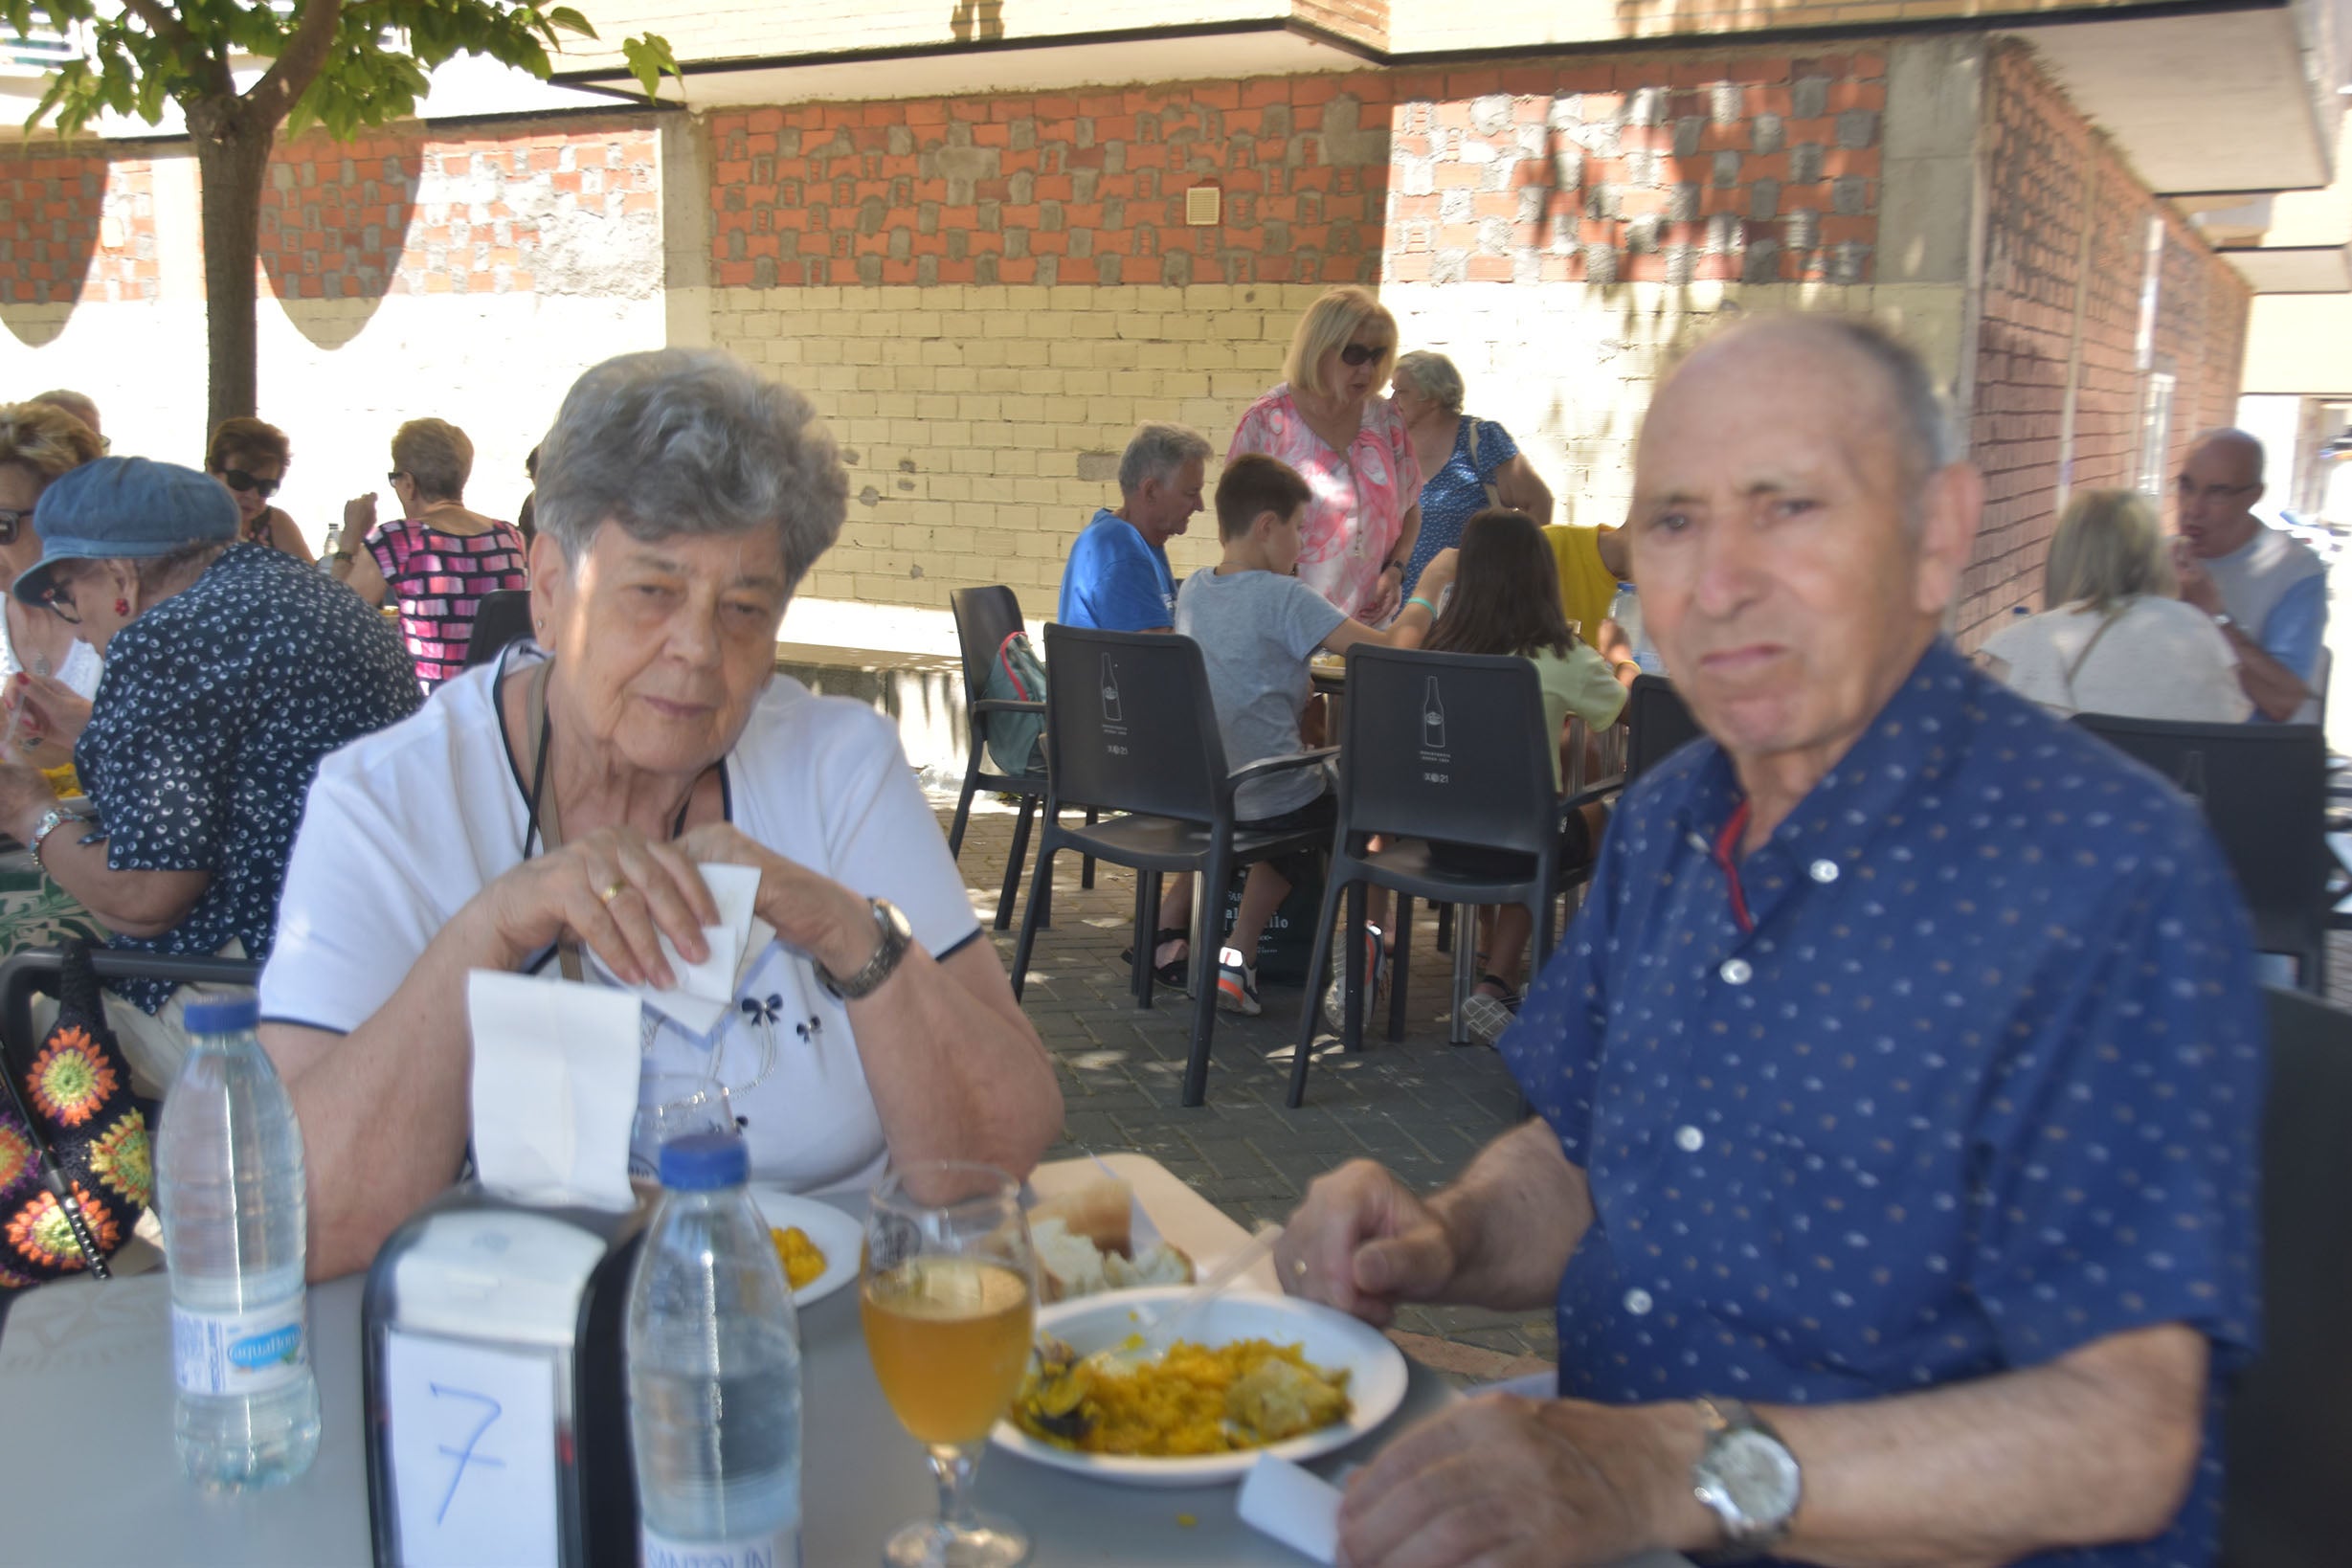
x=562, y=796
x=2115, y=639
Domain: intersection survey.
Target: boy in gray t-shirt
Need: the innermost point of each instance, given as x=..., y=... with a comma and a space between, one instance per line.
x=1257, y=625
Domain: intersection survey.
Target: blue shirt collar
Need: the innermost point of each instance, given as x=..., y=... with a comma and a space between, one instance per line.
x=1909, y=748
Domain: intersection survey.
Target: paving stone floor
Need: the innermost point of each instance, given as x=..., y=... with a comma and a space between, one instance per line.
x=1419, y=1106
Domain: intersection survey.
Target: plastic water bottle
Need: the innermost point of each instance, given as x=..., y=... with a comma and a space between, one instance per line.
x=714, y=1371
x=1626, y=610
x=334, y=543
x=228, y=1180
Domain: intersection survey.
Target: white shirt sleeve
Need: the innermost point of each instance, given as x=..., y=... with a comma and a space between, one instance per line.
x=356, y=912
x=881, y=838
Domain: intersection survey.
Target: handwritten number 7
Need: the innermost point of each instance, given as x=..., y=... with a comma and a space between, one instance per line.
x=465, y=1456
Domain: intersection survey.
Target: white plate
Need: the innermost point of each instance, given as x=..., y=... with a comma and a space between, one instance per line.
x=836, y=1235
x=1328, y=1338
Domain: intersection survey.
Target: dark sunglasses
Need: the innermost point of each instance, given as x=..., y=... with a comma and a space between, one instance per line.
x=1356, y=353
x=394, y=476
x=240, y=479
x=13, y=525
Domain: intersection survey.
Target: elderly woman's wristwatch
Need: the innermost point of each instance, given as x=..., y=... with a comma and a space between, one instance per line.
x=1748, y=1480
x=896, y=934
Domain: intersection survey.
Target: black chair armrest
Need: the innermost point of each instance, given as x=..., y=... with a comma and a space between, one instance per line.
x=1280, y=765
x=1592, y=794
x=1003, y=705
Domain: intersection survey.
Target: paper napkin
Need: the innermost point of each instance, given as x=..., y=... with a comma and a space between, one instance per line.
x=555, y=1088
x=706, y=990
x=1295, y=1506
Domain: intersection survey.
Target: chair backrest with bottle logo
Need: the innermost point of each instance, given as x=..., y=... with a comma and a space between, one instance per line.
x=1131, y=726
x=1445, y=746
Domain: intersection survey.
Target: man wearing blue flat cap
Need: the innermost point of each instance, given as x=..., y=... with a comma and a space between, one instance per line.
x=231, y=670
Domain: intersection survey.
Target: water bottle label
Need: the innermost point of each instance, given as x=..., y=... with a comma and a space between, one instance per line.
x=240, y=1353
x=781, y=1550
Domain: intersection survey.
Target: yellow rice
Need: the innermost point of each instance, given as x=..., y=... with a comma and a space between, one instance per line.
x=1171, y=1409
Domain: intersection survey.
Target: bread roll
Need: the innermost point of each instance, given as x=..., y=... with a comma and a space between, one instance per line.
x=1100, y=1211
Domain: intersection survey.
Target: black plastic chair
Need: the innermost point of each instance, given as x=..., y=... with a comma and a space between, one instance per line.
x=2289, y=1424
x=1436, y=746
x=1130, y=727
x=1658, y=724
x=503, y=616
x=984, y=617
x=2264, y=791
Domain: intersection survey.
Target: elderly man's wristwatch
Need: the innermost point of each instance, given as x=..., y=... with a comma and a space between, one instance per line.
x=1748, y=1480
x=895, y=934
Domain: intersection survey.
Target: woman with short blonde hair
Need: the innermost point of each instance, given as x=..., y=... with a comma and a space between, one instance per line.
x=438, y=560
x=2114, y=639
x=1328, y=422
x=40, y=442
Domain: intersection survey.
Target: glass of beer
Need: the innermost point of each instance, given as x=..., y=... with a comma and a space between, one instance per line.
x=948, y=1299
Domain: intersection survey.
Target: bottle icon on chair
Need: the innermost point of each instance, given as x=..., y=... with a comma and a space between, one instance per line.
x=1432, y=717
x=1110, y=693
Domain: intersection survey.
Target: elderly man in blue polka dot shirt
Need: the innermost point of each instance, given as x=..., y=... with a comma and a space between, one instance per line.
x=1900, y=1081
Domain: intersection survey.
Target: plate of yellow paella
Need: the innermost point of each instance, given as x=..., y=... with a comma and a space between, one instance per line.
x=817, y=1243
x=1252, y=1374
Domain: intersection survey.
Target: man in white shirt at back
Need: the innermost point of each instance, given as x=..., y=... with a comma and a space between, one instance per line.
x=2266, y=591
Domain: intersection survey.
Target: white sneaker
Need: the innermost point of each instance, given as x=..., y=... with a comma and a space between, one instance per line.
x=1237, y=983
x=1376, y=967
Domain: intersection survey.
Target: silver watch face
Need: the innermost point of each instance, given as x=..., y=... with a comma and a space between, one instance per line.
x=1756, y=1475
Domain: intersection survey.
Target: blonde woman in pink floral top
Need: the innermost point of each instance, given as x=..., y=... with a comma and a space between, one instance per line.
x=1350, y=444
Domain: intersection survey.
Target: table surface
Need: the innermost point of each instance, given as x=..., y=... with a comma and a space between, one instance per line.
x=85, y=1369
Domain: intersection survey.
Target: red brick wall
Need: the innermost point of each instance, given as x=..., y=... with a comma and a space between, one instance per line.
x=1748, y=167
x=1083, y=188
x=405, y=210
x=2062, y=207
x=75, y=227
x=1761, y=169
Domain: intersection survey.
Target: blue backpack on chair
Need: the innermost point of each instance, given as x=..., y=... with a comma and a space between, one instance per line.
x=1016, y=740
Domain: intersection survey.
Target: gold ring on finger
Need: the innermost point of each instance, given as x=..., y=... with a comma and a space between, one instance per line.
x=612, y=890
x=1298, y=1268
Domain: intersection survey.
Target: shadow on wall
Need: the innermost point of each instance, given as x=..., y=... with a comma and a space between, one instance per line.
x=981, y=19
x=49, y=214
x=334, y=224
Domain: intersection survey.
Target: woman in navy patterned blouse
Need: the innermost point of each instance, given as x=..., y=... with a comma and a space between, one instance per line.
x=231, y=668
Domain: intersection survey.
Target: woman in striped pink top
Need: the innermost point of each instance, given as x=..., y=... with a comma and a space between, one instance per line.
x=437, y=559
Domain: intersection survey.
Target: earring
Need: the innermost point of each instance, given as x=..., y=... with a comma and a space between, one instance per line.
x=122, y=609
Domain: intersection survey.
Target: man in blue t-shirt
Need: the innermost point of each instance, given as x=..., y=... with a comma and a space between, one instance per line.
x=1117, y=579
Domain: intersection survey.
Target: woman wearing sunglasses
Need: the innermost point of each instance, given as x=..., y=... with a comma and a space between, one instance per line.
x=1327, y=421
x=249, y=459
x=51, y=673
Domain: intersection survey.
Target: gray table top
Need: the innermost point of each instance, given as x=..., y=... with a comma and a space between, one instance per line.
x=85, y=1373
x=92, y=1361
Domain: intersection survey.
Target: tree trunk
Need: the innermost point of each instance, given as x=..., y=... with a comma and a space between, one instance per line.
x=233, y=154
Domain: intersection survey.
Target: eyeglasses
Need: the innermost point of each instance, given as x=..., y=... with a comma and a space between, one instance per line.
x=12, y=525
x=58, y=596
x=394, y=476
x=240, y=479
x=1361, y=353
x=2192, y=493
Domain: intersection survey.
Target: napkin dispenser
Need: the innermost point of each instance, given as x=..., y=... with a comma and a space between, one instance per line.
x=497, y=1394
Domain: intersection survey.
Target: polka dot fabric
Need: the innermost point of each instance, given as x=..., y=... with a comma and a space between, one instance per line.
x=215, y=707
x=1978, y=1081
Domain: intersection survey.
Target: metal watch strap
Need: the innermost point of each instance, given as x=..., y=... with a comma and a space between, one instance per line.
x=892, y=929
x=1725, y=1417
x=51, y=820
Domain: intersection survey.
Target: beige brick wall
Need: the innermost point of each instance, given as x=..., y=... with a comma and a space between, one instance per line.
x=968, y=411
x=974, y=416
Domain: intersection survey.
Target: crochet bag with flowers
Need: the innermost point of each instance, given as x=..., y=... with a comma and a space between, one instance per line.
x=77, y=1093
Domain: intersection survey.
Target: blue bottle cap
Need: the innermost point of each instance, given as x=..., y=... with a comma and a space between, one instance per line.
x=701, y=1162
x=223, y=1016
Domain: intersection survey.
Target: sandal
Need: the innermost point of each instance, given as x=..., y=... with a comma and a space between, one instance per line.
x=1175, y=970
x=1487, y=1016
